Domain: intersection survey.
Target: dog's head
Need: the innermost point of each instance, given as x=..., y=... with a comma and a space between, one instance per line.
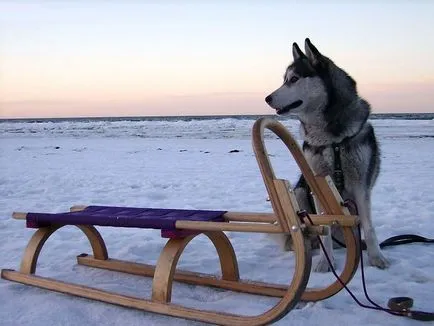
x=310, y=84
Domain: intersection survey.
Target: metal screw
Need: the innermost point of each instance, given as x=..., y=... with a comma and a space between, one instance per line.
x=294, y=228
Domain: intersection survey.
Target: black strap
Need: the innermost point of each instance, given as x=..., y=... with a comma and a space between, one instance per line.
x=338, y=174
x=404, y=239
x=394, y=241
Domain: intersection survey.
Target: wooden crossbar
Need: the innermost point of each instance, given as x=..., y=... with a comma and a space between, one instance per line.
x=322, y=219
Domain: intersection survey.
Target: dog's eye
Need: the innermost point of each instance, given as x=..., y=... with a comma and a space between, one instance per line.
x=293, y=79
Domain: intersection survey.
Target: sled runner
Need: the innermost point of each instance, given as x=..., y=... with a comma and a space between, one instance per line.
x=181, y=226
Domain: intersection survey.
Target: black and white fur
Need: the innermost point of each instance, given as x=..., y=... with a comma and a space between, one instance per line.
x=325, y=100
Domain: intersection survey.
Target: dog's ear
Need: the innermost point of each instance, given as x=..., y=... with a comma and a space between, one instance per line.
x=312, y=52
x=296, y=52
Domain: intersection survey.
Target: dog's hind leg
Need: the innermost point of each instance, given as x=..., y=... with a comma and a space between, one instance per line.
x=375, y=256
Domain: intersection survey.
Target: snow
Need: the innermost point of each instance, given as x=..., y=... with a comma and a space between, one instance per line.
x=50, y=166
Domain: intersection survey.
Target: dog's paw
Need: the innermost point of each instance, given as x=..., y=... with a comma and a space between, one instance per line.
x=323, y=266
x=284, y=241
x=379, y=261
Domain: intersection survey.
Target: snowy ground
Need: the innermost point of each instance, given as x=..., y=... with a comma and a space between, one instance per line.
x=51, y=166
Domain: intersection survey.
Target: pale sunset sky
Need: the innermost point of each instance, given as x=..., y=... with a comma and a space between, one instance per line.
x=142, y=58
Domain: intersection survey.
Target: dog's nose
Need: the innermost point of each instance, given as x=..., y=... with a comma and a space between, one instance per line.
x=268, y=99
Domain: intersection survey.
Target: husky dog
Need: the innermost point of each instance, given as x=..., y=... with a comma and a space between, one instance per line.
x=335, y=130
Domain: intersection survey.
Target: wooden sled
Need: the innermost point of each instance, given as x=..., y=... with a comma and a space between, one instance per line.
x=182, y=229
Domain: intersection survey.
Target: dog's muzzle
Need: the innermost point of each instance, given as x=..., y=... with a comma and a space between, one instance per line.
x=296, y=104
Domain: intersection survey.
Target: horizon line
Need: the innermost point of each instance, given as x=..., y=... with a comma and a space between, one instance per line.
x=192, y=116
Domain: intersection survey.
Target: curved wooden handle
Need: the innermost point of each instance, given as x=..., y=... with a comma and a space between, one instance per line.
x=287, y=138
x=322, y=187
x=262, y=154
x=282, y=199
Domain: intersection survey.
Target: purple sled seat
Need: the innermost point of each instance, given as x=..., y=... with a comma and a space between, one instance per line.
x=130, y=217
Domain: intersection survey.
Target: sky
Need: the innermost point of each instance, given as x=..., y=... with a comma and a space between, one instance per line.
x=143, y=58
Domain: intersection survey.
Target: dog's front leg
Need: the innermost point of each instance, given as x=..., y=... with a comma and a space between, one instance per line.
x=323, y=265
x=375, y=256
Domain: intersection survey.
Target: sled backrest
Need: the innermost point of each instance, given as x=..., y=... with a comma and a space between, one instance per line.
x=281, y=194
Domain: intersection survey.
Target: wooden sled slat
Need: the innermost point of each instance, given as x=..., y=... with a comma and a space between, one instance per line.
x=194, y=278
x=188, y=277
